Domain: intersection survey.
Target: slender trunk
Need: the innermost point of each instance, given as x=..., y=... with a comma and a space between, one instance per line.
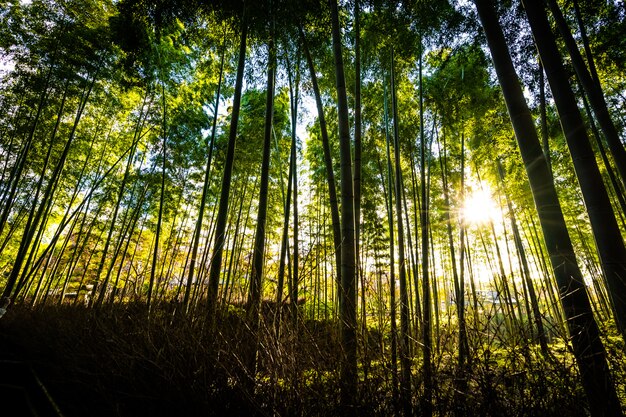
x=234, y=244
x=295, y=273
x=222, y=213
x=424, y=226
x=392, y=263
x=405, y=364
x=460, y=295
x=413, y=251
x=544, y=117
x=414, y=271
x=259, y=235
x=583, y=35
x=284, y=242
x=258, y=257
x=205, y=187
x=455, y=274
x=285, y=235
x=157, y=236
x=605, y=160
x=357, y=134
x=330, y=176
x=347, y=288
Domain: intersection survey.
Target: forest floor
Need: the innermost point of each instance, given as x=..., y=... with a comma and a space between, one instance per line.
x=116, y=362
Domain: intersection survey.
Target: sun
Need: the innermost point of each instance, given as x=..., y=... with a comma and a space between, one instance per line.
x=479, y=207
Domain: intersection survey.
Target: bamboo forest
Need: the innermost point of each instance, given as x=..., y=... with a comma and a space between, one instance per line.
x=313, y=208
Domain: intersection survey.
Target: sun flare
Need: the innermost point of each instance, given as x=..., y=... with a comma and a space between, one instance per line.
x=479, y=207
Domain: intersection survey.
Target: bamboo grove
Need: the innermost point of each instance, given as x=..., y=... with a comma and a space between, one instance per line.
x=435, y=186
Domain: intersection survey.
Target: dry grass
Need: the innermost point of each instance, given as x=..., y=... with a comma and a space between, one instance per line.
x=119, y=363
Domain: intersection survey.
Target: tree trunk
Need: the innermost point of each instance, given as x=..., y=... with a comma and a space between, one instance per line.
x=285, y=235
x=347, y=287
x=330, y=175
x=157, y=235
x=205, y=187
x=537, y=318
x=222, y=213
x=460, y=295
x=295, y=273
x=392, y=268
x=357, y=134
x=617, y=189
x=405, y=364
x=424, y=226
x=258, y=257
x=544, y=117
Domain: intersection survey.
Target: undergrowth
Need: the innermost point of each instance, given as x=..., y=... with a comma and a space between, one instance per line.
x=117, y=362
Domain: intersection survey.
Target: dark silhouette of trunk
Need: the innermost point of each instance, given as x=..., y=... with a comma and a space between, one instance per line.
x=585, y=39
x=414, y=256
x=460, y=295
x=584, y=332
x=357, y=133
x=424, y=226
x=259, y=235
x=258, y=256
x=295, y=273
x=205, y=187
x=222, y=213
x=544, y=117
x=347, y=287
x=285, y=235
x=405, y=364
x=392, y=270
x=157, y=236
x=605, y=160
x=455, y=273
x=592, y=87
x=330, y=175
x=548, y=284
x=609, y=242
